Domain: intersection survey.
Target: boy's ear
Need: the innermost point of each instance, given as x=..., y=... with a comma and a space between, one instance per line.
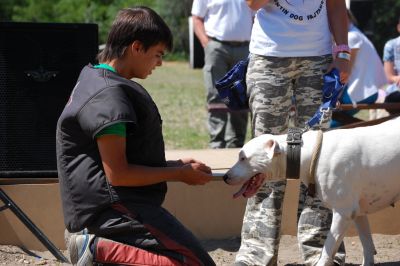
x=136, y=46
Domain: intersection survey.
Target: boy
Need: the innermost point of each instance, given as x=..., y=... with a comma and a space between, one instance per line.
x=111, y=161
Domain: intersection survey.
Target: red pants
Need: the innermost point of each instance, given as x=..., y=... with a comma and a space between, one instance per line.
x=139, y=234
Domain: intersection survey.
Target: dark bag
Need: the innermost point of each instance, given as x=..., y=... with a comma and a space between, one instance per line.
x=232, y=87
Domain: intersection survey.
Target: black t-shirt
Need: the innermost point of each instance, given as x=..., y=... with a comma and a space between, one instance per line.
x=100, y=99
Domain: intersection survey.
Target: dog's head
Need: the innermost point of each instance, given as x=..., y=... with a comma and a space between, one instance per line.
x=254, y=165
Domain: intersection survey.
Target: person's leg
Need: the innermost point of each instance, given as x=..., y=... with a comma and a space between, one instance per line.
x=314, y=222
x=261, y=226
x=215, y=67
x=269, y=93
x=138, y=232
x=216, y=128
x=236, y=127
x=314, y=219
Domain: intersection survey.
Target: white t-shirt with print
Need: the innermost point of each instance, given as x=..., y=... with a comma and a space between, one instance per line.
x=367, y=74
x=225, y=20
x=291, y=28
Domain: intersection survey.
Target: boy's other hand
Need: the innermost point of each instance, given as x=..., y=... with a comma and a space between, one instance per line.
x=196, y=173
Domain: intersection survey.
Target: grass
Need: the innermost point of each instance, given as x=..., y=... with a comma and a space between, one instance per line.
x=179, y=94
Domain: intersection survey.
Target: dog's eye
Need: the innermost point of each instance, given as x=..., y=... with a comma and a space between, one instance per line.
x=242, y=158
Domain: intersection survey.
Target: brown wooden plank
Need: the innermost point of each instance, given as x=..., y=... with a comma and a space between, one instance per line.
x=362, y=106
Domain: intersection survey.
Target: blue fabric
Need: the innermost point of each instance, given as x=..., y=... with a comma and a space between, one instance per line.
x=331, y=90
x=232, y=88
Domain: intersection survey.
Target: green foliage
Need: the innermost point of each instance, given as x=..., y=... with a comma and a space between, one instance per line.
x=385, y=16
x=101, y=12
x=176, y=13
x=179, y=94
x=6, y=8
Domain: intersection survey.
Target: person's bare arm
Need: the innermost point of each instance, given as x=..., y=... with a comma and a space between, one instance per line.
x=256, y=4
x=120, y=173
x=338, y=24
x=390, y=73
x=199, y=30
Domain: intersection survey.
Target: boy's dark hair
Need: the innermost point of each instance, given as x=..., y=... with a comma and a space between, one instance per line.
x=135, y=24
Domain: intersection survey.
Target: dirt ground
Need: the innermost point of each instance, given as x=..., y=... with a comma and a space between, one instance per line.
x=223, y=252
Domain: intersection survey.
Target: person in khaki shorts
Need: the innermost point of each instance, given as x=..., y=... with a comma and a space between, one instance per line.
x=290, y=50
x=223, y=28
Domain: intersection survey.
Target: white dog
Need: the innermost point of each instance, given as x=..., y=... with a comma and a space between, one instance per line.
x=357, y=173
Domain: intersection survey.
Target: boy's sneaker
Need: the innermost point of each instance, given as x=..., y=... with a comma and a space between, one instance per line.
x=67, y=235
x=79, y=249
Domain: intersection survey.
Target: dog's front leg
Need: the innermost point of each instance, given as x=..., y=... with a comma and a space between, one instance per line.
x=340, y=223
x=364, y=233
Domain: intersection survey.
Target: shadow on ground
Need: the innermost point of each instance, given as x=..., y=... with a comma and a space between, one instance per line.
x=231, y=245
x=352, y=264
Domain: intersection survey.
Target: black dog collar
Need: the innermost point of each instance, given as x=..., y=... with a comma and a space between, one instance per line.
x=293, y=153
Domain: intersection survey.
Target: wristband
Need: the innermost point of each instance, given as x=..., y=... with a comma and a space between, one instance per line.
x=343, y=55
x=340, y=48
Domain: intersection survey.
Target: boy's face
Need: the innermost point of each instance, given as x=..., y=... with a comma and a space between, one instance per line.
x=147, y=61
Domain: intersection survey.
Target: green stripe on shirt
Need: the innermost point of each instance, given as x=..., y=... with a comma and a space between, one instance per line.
x=118, y=129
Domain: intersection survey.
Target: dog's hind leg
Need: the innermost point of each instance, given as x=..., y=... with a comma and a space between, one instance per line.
x=340, y=223
x=364, y=233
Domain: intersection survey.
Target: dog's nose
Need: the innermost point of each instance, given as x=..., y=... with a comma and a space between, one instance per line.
x=225, y=178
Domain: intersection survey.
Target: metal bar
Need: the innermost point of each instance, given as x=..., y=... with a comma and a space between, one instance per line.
x=32, y=227
x=218, y=176
x=5, y=207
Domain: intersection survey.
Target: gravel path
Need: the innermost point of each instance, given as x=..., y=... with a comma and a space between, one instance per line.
x=223, y=252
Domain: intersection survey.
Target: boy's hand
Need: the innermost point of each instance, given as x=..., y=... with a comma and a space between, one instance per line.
x=196, y=173
x=181, y=162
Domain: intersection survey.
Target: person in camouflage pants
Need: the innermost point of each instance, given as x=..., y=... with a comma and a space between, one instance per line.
x=283, y=92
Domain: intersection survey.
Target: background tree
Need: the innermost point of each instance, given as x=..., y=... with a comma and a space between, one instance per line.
x=385, y=16
x=176, y=14
x=381, y=26
x=101, y=12
x=6, y=9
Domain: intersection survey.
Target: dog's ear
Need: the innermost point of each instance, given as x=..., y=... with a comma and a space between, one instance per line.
x=272, y=148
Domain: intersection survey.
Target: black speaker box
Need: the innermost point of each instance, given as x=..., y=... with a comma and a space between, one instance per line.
x=39, y=66
x=196, y=51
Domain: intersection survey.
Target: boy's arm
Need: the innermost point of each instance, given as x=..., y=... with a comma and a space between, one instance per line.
x=388, y=63
x=256, y=4
x=390, y=72
x=120, y=173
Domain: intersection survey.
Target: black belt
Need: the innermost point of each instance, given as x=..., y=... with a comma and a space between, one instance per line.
x=231, y=43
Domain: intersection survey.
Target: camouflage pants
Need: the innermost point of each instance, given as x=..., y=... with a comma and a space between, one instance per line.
x=283, y=92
